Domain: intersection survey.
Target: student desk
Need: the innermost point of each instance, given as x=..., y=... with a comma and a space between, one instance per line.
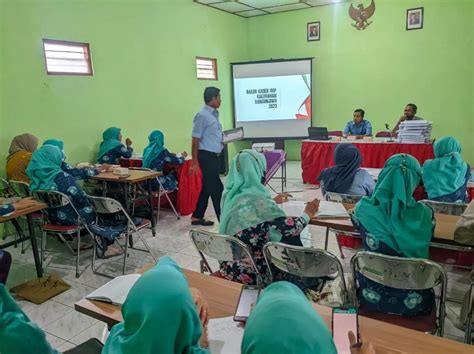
x=135, y=177
x=31, y=207
x=222, y=296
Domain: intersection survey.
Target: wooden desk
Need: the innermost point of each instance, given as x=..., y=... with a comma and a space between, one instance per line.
x=134, y=177
x=31, y=207
x=222, y=296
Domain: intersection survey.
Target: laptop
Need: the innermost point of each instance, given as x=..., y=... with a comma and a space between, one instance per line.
x=317, y=133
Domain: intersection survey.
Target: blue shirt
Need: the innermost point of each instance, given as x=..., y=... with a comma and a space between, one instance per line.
x=208, y=129
x=364, y=128
x=363, y=184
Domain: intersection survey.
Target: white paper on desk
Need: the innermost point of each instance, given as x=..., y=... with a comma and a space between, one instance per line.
x=331, y=210
x=224, y=336
x=116, y=290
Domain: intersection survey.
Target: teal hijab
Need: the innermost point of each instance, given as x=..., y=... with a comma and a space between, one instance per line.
x=110, y=141
x=58, y=143
x=245, y=201
x=447, y=172
x=155, y=147
x=391, y=215
x=159, y=315
x=44, y=166
x=284, y=322
x=17, y=333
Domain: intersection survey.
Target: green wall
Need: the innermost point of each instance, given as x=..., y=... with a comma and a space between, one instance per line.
x=383, y=67
x=143, y=54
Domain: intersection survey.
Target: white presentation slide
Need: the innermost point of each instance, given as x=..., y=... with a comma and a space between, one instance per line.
x=272, y=98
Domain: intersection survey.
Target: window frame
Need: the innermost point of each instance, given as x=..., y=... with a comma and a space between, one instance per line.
x=214, y=61
x=84, y=45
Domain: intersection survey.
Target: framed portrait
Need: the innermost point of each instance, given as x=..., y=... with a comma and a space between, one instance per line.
x=313, y=30
x=415, y=19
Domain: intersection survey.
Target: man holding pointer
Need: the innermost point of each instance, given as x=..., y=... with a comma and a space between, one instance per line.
x=206, y=149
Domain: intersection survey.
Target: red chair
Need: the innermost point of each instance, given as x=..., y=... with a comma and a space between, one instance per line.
x=383, y=134
x=335, y=133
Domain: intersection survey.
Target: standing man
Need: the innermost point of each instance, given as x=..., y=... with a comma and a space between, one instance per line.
x=207, y=147
x=409, y=114
x=359, y=126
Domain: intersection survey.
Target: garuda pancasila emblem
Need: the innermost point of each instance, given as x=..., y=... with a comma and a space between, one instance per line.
x=361, y=15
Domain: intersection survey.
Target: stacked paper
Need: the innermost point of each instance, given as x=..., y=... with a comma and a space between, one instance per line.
x=415, y=132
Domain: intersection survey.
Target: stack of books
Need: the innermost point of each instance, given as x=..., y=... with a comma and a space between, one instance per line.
x=415, y=132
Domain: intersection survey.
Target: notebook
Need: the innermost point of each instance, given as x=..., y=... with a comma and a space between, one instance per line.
x=224, y=336
x=116, y=290
x=328, y=210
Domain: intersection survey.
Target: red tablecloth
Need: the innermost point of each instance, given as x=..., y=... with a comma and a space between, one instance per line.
x=189, y=186
x=316, y=155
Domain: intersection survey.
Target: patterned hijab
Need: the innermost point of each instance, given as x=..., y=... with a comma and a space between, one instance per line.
x=23, y=142
x=447, y=172
x=44, y=166
x=110, y=141
x=154, y=148
x=18, y=334
x=245, y=201
x=159, y=315
x=338, y=179
x=392, y=215
x=284, y=322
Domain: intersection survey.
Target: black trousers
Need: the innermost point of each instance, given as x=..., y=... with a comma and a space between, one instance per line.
x=211, y=184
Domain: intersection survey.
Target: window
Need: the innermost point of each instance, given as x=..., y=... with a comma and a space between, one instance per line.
x=206, y=68
x=67, y=58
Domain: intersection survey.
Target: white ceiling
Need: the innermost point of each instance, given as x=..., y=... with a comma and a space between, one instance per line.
x=251, y=8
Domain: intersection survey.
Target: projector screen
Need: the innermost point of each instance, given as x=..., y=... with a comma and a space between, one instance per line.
x=272, y=99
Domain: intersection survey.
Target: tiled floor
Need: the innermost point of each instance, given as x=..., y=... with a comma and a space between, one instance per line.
x=65, y=327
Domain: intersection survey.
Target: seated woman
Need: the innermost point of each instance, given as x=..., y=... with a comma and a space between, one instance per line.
x=45, y=173
x=111, y=148
x=346, y=177
x=160, y=319
x=156, y=155
x=252, y=216
x=446, y=177
x=79, y=173
x=21, y=149
x=284, y=322
x=391, y=222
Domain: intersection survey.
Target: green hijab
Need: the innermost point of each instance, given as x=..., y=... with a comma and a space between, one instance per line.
x=17, y=333
x=154, y=148
x=110, y=141
x=284, y=322
x=245, y=201
x=447, y=172
x=159, y=315
x=44, y=166
x=58, y=143
x=392, y=215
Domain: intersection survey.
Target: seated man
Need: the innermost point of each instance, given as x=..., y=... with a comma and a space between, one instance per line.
x=359, y=126
x=409, y=114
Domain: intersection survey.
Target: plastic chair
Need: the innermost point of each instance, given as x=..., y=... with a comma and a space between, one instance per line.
x=54, y=200
x=345, y=199
x=406, y=274
x=304, y=262
x=108, y=206
x=445, y=207
x=224, y=248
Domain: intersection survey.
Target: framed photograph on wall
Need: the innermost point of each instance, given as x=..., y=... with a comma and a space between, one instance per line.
x=313, y=30
x=415, y=19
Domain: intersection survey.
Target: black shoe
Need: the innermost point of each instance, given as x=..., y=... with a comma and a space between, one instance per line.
x=202, y=222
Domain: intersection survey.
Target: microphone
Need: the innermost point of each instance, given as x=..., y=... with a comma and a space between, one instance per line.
x=387, y=126
x=390, y=132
